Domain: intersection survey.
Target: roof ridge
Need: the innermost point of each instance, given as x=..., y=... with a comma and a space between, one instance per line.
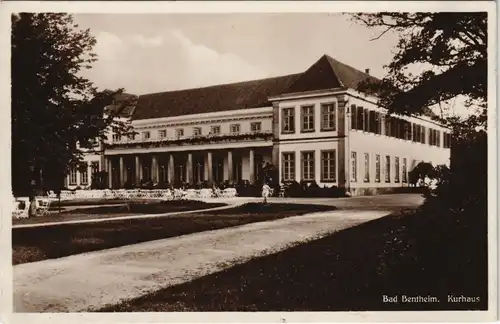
x=223, y=84
x=329, y=60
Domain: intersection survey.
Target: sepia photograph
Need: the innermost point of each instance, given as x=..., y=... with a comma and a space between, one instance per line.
x=223, y=161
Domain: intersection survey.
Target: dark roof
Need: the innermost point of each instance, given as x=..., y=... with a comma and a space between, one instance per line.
x=326, y=73
x=123, y=105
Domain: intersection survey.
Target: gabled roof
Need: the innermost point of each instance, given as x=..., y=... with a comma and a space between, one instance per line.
x=326, y=73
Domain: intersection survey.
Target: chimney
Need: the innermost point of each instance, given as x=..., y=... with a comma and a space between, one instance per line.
x=367, y=71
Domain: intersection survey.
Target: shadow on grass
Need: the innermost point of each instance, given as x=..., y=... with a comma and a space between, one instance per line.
x=49, y=242
x=408, y=253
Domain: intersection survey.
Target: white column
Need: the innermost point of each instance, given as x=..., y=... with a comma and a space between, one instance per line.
x=110, y=173
x=209, y=168
x=155, y=176
x=251, y=166
x=230, y=166
x=122, y=171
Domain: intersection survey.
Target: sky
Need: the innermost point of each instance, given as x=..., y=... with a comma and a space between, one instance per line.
x=147, y=53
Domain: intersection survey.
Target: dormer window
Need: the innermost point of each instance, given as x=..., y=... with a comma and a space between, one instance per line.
x=215, y=130
x=256, y=127
x=196, y=131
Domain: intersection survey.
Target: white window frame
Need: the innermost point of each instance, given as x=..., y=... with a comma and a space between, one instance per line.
x=235, y=128
x=215, y=130
x=196, y=131
x=288, y=163
x=354, y=166
x=329, y=116
x=288, y=120
x=162, y=133
x=307, y=118
x=179, y=132
x=329, y=166
x=367, y=167
x=308, y=165
x=255, y=127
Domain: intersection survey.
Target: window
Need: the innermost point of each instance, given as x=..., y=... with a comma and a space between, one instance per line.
x=446, y=140
x=162, y=133
x=407, y=130
x=354, y=116
x=255, y=127
x=434, y=137
x=373, y=122
x=94, y=142
x=84, y=176
x=359, y=118
x=72, y=176
x=288, y=120
x=377, y=168
x=396, y=169
x=131, y=136
x=387, y=168
x=94, y=166
x=289, y=166
x=405, y=171
x=235, y=128
x=388, y=124
x=328, y=117
x=354, y=167
x=116, y=137
x=328, y=166
x=146, y=135
x=367, y=167
x=308, y=166
x=378, y=123
x=308, y=119
x=196, y=131
x=215, y=130
x=179, y=132
x=366, y=120
x=422, y=134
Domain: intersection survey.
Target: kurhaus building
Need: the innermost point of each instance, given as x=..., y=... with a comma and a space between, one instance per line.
x=314, y=126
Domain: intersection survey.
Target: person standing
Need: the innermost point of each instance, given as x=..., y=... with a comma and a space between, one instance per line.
x=265, y=192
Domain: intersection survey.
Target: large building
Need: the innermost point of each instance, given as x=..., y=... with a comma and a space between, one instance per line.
x=314, y=126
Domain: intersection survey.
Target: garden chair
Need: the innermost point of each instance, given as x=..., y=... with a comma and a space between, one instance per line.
x=42, y=206
x=282, y=191
x=52, y=194
x=21, y=208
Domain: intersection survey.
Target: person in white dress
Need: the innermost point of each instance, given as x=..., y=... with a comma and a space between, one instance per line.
x=265, y=192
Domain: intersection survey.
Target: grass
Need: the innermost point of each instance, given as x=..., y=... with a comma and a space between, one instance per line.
x=48, y=242
x=141, y=207
x=412, y=252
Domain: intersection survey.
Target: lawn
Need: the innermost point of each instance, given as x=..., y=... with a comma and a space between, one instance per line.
x=408, y=253
x=140, y=207
x=39, y=243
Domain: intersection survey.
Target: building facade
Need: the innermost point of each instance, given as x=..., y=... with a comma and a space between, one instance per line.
x=314, y=126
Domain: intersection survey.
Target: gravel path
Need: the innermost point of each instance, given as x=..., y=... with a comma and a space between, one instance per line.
x=92, y=280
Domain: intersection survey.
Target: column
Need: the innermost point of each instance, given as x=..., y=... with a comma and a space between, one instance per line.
x=209, y=168
x=171, y=179
x=110, y=173
x=251, y=166
x=230, y=166
x=138, y=169
x=189, y=168
x=122, y=171
x=155, y=171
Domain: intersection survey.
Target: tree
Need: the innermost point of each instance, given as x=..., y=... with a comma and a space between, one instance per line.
x=53, y=107
x=451, y=50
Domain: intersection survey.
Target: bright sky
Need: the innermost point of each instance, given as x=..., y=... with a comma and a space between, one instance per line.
x=154, y=53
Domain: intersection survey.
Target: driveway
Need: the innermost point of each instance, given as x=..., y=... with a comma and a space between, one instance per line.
x=92, y=280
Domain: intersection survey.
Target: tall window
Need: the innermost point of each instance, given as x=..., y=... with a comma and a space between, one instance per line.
x=308, y=119
x=289, y=166
x=388, y=126
x=196, y=131
x=387, y=168
x=354, y=167
x=146, y=135
x=328, y=164
x=235, y=128
x=116, y=137
x=328, y=116
x=73, y=176
x=288, y=121
x=255, y=127
x=179, y=132
x=447, y=140
x=373, y=122
x=377, y=168
x=215, y=130
x=84, y=176
x=354, y=117
x=405, y=171
x=308, y=166
x=359, y=118
x=162, y=133
x=396, y=169
x=366, y=120
x=131, y=136
x=367, y=167
x=423, y=131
